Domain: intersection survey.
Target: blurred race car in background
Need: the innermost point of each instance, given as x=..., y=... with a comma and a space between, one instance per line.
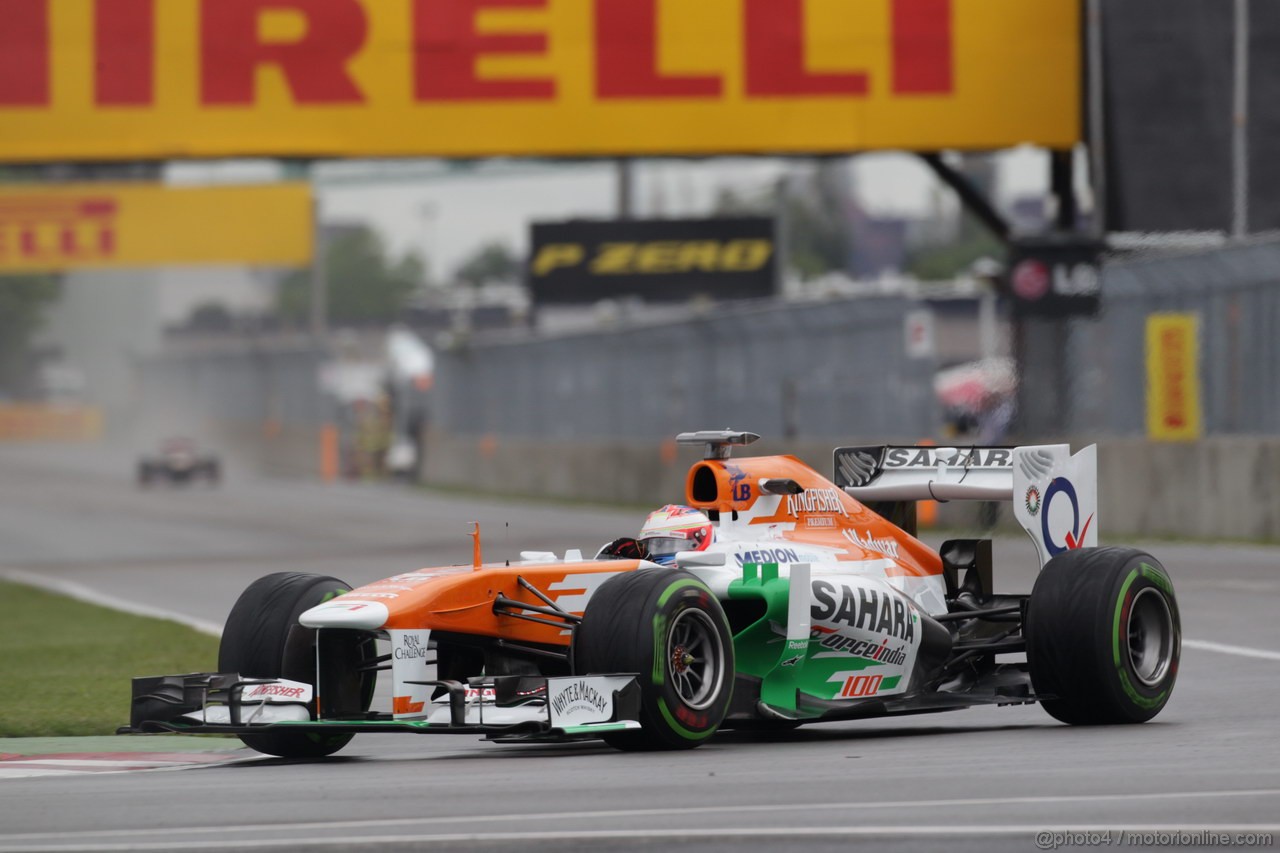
x=773, y=598
x=179, y=461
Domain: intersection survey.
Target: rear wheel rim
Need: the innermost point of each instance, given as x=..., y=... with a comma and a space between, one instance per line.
x=695, y=658
x=1150, y=634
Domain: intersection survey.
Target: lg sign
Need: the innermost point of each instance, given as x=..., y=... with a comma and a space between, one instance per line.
x=314, y=44
x=1054, y=277
x=1031, y=280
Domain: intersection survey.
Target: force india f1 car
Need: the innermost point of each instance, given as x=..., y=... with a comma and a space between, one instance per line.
x=814, y=601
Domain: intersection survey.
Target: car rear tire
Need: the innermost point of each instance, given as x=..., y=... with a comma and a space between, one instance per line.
x=1103, y=636
x=262, y=639
x=669, y=628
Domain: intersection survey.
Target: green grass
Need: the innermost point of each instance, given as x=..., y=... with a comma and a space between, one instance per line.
x=65, y=665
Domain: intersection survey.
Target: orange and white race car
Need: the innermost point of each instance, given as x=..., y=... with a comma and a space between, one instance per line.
x=772, y=597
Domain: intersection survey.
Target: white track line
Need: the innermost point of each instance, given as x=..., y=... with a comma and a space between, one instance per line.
x=717, y=833
x=80, y=592
x=6, y=773
x=387, y=823
x=18, y=769
x=91, y=763
x=1242, y=651
x=64, y=772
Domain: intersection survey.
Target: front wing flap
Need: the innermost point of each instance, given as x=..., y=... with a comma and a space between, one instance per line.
x=508, y=708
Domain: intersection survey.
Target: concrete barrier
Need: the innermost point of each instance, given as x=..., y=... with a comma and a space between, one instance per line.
x=274, y=449
x=626, y=472
x=1216, y=488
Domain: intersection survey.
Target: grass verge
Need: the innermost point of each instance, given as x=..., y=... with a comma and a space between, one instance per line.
x=65, y=665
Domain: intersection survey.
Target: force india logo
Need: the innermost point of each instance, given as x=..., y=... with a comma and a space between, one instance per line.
x=816, y=500
x=841, y=644
x=1033, y=500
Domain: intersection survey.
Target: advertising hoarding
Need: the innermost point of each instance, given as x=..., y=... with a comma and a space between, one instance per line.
x=47, y=228
x=1173, y=377
x=657, y=260
x=164, y=79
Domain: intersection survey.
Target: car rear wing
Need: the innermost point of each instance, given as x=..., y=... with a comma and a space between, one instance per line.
x=1054, y=493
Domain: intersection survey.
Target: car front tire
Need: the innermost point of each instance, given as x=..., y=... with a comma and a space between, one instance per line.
x=262, y=639
x=667, y=627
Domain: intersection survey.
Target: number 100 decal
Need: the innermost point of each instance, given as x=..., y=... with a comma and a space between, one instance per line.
x=861, y=685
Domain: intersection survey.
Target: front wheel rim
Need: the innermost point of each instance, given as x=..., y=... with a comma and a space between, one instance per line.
x=695, y=658
x=1150, y=636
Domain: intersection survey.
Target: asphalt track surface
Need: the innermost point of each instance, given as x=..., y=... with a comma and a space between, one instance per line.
x=978, y=779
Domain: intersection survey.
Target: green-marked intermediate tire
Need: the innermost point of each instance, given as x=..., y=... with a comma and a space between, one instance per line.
x=1103, y=636
x=262, y=639
x=668, y=627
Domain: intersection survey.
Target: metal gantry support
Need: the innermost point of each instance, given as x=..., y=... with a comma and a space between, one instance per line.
x=1240, y=124
x=626, y=187
x=970, y=196
x=318, y=304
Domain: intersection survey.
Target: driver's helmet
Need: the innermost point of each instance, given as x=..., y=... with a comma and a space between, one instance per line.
x=673, y=529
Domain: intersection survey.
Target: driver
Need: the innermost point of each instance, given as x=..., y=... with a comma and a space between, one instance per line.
x=673, y=529
x=666, y=532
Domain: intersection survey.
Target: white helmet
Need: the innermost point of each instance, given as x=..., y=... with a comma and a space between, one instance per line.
x=673, y=529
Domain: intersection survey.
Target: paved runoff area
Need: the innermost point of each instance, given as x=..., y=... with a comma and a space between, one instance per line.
x=1204, y=775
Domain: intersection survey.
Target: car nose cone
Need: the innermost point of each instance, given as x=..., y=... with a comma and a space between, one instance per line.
x=344, y=613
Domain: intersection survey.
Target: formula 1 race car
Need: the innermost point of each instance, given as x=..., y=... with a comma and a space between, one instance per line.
x=807, y=600
x=179, y=461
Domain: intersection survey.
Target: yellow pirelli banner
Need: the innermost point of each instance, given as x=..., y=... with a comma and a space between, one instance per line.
x=116, y=79
x=45, y=422
x=93, y=226
x=1173, y=377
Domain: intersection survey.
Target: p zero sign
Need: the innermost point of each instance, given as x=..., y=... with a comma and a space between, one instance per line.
x=122, y=79
x=658, y=260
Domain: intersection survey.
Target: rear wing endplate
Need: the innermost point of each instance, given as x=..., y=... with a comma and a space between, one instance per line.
x=1054, y=493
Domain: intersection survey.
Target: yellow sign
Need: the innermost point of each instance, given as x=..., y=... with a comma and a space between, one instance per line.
x=121, y=79
x=92, y=226
x=1173, y=377
x=40, y=422
x=659, y=257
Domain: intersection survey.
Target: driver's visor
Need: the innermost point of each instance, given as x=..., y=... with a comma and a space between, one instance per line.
x=665, y=546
